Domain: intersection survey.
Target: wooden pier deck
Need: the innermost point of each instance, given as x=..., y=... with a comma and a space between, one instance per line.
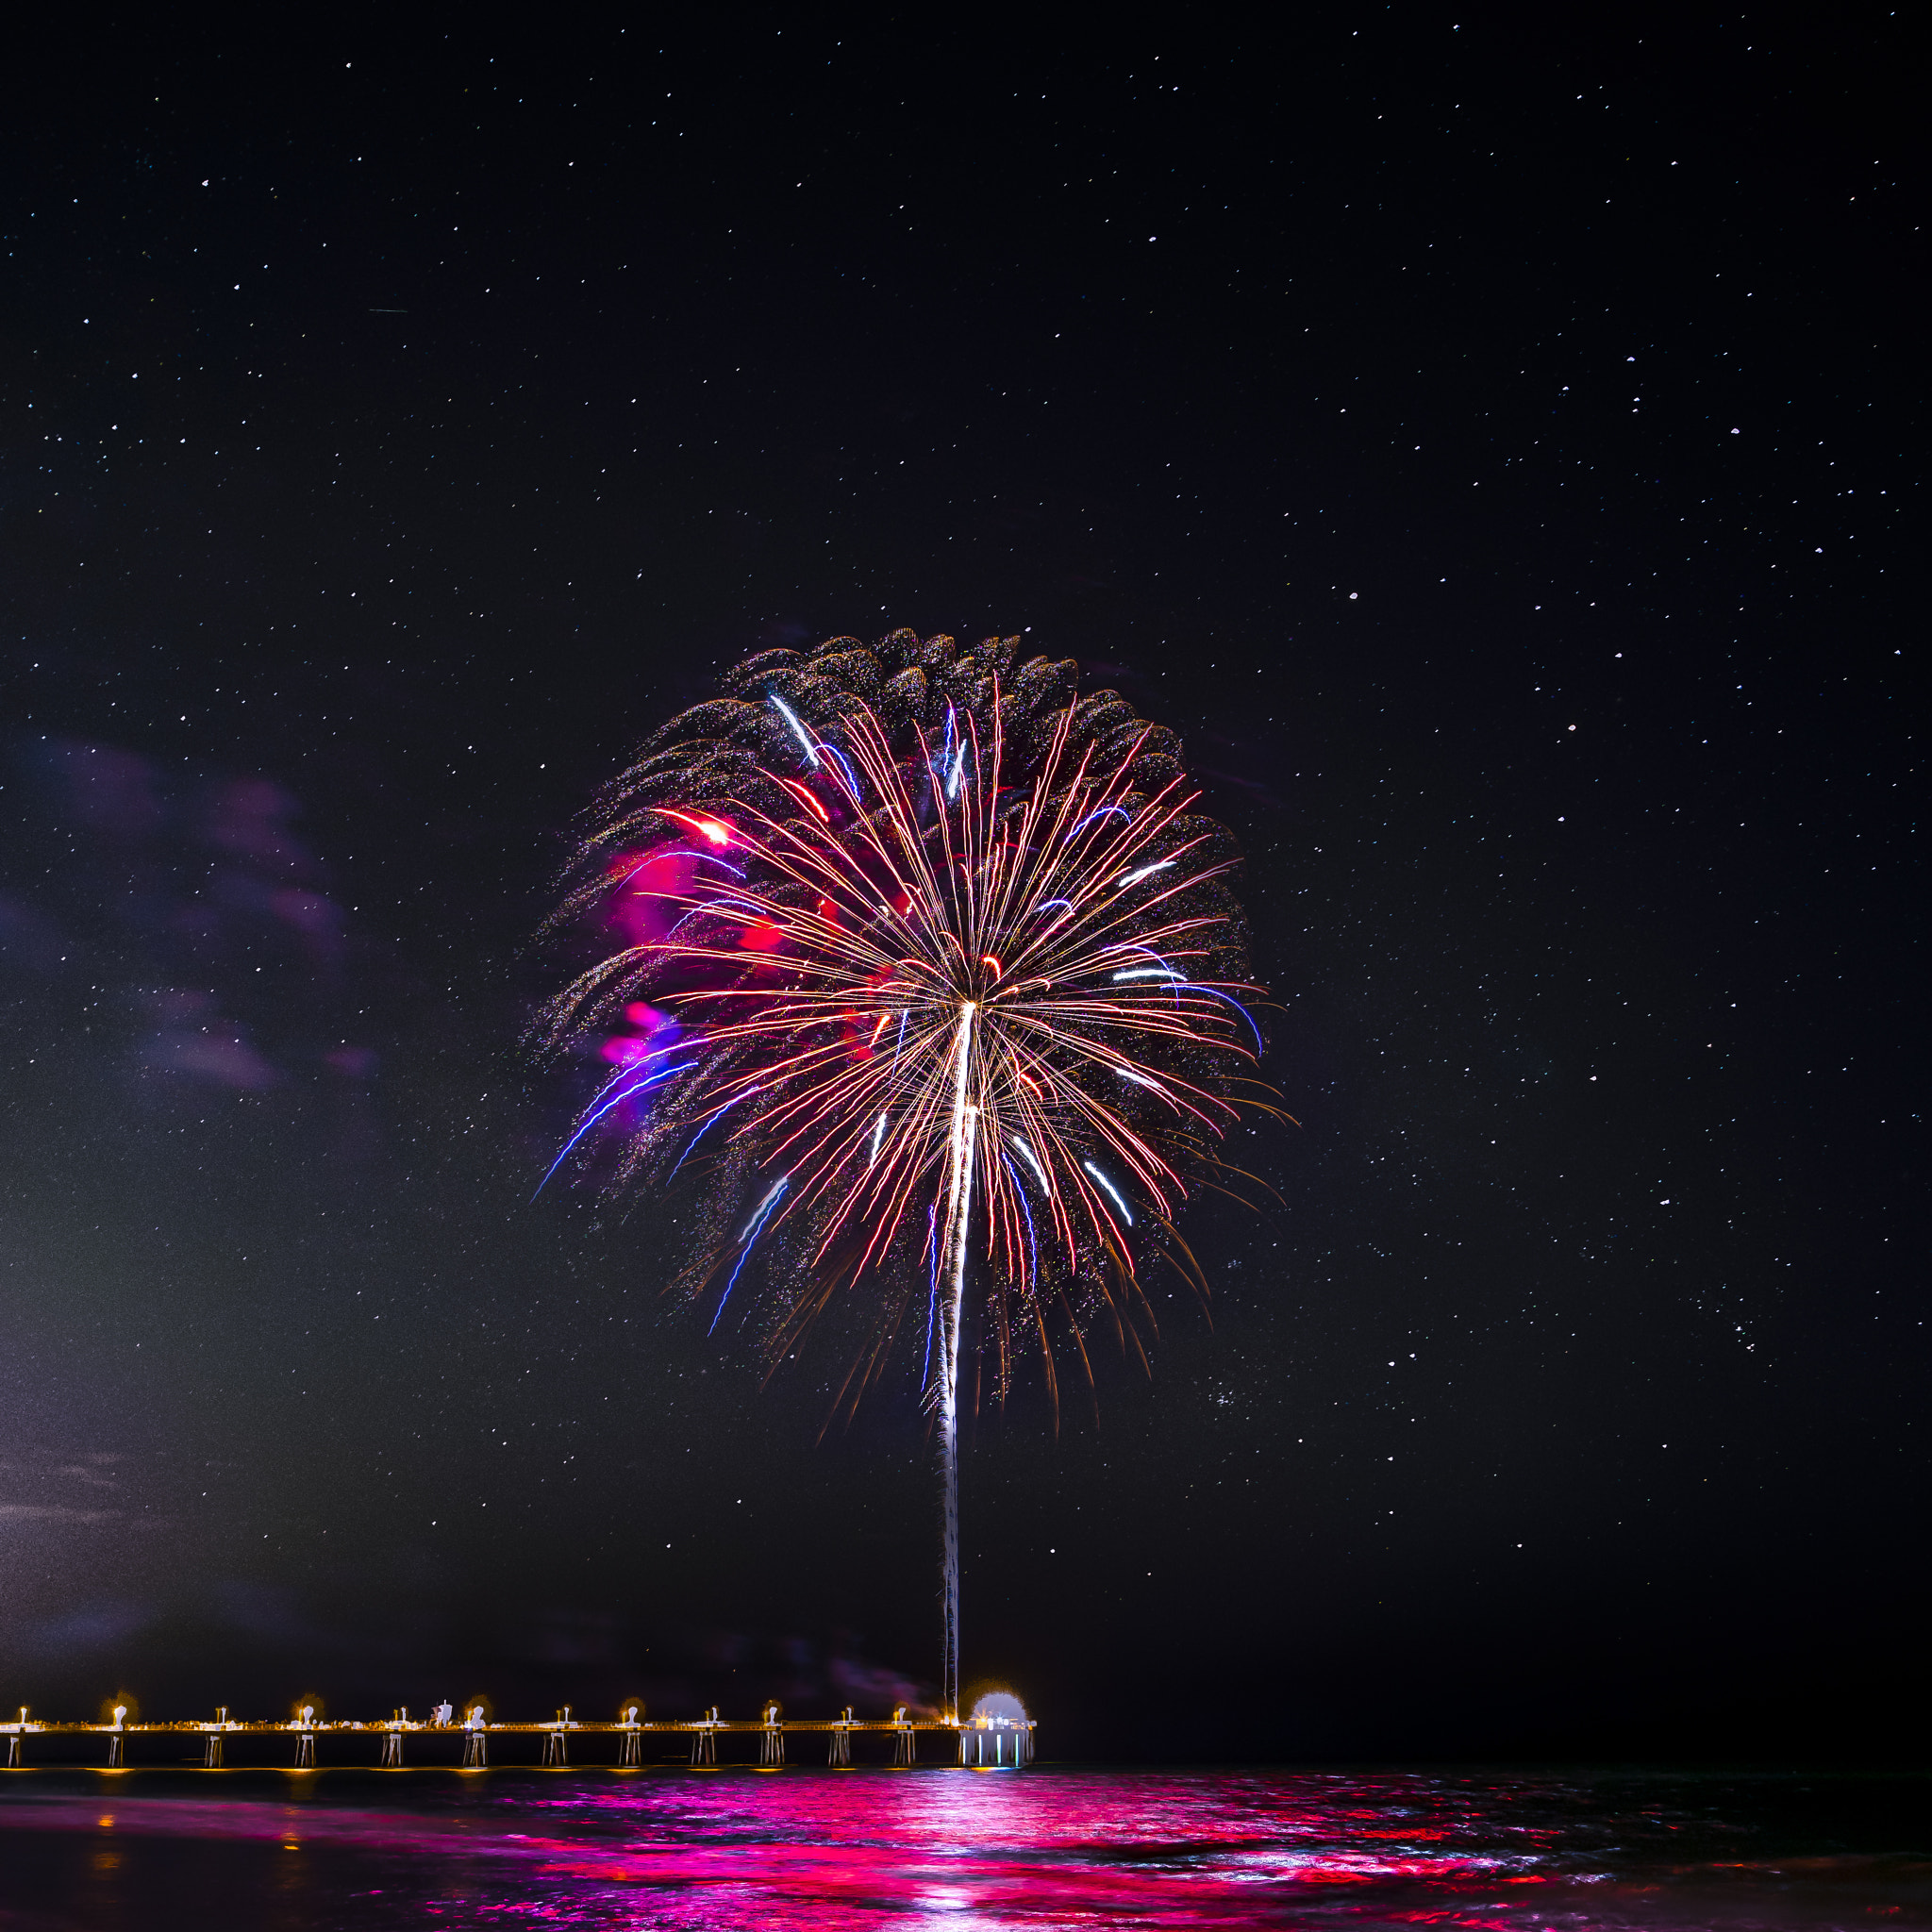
x=400, y=1741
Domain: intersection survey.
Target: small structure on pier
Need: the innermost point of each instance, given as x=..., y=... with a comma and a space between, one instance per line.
x=630, y=1724
x=840, y=1751
x=998, y=1735
x=704, y=1739
x=212, y=1736
x=556, y=1739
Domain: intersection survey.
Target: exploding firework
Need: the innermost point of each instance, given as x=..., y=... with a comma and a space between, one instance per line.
x=935, y=986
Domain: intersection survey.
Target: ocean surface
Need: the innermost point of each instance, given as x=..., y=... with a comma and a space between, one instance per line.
x=1045, y=1848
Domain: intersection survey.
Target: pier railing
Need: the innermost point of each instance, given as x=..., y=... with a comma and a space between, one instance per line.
x=1001, y=1743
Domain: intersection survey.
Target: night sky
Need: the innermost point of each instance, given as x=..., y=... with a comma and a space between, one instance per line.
x=1492, y=447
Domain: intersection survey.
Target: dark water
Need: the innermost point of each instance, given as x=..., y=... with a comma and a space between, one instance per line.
x=1045, y=1848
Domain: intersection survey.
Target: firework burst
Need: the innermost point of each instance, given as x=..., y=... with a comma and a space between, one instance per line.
x=939, y=986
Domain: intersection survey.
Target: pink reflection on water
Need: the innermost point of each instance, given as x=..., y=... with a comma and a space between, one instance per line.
x=1041, y=1850
x=1144, y=1850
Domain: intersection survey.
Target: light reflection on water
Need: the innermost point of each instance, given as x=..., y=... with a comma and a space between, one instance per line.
x=1045, y=1849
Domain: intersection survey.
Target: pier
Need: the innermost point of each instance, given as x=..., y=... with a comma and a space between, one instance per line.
x=463, y=1741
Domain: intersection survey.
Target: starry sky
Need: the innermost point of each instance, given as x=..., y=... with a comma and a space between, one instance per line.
x=1490, y=445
